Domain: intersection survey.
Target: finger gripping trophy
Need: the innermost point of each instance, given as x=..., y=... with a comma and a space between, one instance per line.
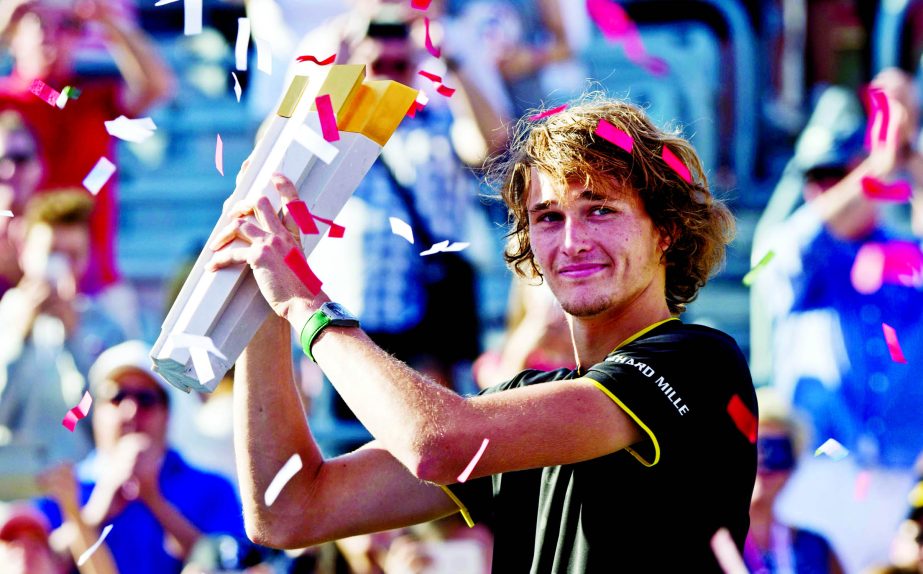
x=217, y=313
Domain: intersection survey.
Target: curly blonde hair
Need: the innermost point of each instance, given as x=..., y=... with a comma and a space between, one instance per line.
x=566, y=147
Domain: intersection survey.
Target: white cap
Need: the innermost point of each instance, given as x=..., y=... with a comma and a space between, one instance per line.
x=128, y=355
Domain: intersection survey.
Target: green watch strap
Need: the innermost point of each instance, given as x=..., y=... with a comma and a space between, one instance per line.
x=311, y=328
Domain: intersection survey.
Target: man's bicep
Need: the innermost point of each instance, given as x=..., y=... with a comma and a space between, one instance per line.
x=368, y=490
x=548, y=424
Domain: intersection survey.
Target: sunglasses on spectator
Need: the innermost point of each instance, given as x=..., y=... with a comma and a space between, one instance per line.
x=145, y=399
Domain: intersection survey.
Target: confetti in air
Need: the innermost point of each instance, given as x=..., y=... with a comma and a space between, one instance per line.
x=477, y=456
x=99, y=175
x=219, y=155
x=833, y=449
x=89, y=551
x=401, y=229
x=309, y=58
x=894, y=347
x=751, y=275
x=278, y=482
x=78, y=412
x=242, y=44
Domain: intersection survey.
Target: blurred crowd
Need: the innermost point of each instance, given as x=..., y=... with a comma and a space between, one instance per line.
x=146, y=482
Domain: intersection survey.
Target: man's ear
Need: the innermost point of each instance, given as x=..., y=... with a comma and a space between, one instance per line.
x=666, y=240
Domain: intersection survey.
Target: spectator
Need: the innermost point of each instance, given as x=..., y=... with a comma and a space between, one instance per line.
x=831, y=357
x=773, y=546
x=24, y=546
x=51, y=333
x=20, y=173
x=43, y=36
x=158, y=505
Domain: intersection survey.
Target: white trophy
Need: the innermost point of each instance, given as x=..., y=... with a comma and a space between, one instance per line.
x=217, y=313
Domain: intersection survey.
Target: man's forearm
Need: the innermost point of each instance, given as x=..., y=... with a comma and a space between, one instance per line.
x=270, y=426
x=181, y=533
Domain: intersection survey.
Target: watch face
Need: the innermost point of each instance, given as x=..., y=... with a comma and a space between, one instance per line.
x=339, y=315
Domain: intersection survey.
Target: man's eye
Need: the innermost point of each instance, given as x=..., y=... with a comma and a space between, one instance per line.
x=548, y=216
x=602, y=210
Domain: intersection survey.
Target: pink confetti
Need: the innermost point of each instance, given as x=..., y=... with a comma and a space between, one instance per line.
x=436, y=52
x=676, y=164
x=414, y=108
x=328, y=120
x=310, y=58
x=420, y=4
x=742, y=417
x=616, y=26
x=894, y=347
x=613, y=134
x=892, y=263
x=219, y=155
x=45, y=92
x=437, y=81
x=899, y=191
x=547, y=113
x=336, y=231
x=301, y=215
x=863, y=480
x=78, y=412
x=299, y=266
x=879, y=113
x=477, y=456
x=726, y=552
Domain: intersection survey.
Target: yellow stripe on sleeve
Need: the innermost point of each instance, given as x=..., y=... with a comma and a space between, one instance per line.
x=461, y=506
x=643, y=426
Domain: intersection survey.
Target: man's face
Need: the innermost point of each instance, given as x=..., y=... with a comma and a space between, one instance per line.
x=599, y=251
x=56, y=253
x=130, y=402
x=45, y=38
x=387, y=59
x=20, y=169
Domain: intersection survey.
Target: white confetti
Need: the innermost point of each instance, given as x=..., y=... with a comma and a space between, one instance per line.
x=99, y=175
x=243, y=42
x=401, y=228
x=263, y=55
x=192, y=14
x=727, y=554
x=6, y=213
x=89, y=551
x=202, y=365
x=445, y=247
x=131, y=130
x=61, y=101
x=288, y=470
x=237, y=89
x=316, y=144
x=474, y=460
x=833, y=449
x=164, y=2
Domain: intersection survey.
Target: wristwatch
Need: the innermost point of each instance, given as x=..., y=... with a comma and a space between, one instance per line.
x=330, y=313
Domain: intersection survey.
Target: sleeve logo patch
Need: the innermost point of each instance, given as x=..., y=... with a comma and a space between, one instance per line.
x=681, y=407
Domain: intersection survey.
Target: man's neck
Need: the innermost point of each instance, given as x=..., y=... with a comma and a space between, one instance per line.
x=597, y=336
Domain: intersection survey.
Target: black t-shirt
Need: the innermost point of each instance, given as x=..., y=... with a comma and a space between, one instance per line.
x=653, y=508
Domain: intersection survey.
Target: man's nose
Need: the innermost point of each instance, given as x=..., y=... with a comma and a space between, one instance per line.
x=576, y=235
x=128, y=408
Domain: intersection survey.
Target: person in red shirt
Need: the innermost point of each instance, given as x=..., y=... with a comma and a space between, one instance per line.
x=43, y=36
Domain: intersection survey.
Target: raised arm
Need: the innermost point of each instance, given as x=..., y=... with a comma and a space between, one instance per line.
x=364, y=491
x=432, y=431
x=147, y=77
